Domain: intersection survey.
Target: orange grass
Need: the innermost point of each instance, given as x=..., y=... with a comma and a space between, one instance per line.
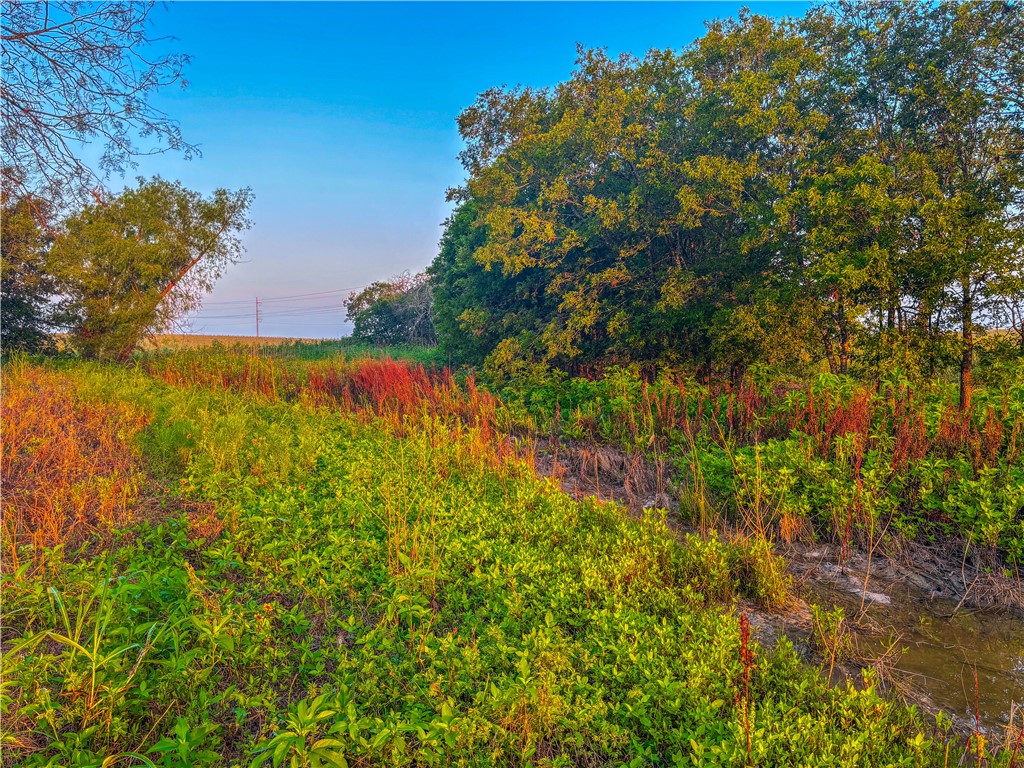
x=70, y=465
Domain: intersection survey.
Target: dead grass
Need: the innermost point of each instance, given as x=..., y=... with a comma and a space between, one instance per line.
x=70, y=465
x=196, y=340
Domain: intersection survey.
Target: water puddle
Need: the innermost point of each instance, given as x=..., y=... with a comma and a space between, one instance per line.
x=944, y=647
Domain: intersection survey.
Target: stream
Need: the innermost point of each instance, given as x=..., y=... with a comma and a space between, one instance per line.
x=944, y=644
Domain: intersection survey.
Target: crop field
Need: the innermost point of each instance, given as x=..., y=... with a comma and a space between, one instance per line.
x=218, y=559
x=194, y=340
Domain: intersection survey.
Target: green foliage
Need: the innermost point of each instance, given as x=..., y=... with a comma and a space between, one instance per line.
x=133, y=264
x=401, y=596
x=394, y=312
x=476, y=306
x=27, y=290
x=186, y=746
x=297, y=742
x=354, y=349
x=841, y=189
x=834, y=457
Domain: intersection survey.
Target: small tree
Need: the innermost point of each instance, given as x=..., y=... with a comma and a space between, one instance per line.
x=132, y=265
x=397, y=311
x=27, y=291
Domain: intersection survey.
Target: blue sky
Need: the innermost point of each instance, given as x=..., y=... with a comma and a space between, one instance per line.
x=341, y=117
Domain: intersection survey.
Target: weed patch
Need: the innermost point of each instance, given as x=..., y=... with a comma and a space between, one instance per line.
x=71, y=465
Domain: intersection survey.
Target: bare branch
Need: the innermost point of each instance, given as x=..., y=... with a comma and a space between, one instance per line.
x=80, y=73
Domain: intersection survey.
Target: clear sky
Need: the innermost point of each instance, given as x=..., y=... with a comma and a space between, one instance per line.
x=341, y=117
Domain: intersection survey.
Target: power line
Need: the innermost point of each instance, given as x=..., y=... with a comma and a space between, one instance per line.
x=286, y=298
x=290, y=310
x=312, y=311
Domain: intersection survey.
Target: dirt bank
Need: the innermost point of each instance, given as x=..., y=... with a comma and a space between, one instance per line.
x=973, y=578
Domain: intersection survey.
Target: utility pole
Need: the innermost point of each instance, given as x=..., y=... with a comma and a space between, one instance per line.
x=257, y=319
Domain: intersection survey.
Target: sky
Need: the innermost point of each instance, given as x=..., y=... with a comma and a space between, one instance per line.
x=341, y=117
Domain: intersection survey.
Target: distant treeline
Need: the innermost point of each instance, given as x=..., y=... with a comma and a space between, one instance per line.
x=844, y=188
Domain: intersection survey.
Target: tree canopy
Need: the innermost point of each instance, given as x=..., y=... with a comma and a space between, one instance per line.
x=396, y=311
x=844, y=187
x=28, y=292
x=133, y=264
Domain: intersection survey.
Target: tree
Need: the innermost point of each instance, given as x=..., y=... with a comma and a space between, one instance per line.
x=132, y=265
x=397, y=311
x=79, y=72
x=973, y=229
x=625, y=208
x=475, y=306
x=846, y=187
x=27, y=290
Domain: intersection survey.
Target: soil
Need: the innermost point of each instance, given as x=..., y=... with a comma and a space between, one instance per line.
x=604, y=472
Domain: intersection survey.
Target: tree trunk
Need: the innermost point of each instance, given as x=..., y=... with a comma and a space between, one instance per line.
x=829, y=353
x=844, y=339
x=967, y=337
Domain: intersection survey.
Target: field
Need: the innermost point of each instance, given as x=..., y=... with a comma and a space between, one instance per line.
x=194, y=340
x=218, y=559
x=288, y=347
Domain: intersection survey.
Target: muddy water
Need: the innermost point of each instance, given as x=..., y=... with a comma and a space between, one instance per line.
x=943, y=647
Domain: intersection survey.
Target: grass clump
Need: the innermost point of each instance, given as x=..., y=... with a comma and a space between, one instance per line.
x=71, y=464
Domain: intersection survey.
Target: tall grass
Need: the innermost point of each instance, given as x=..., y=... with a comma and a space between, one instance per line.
x=71, y=465
x=378, y=387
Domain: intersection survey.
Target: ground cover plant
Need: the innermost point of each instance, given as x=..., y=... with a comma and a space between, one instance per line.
x=833, y=458
x=382, y=580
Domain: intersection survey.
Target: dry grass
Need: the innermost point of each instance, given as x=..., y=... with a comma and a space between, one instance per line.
x=195, y=341
x=70, y=464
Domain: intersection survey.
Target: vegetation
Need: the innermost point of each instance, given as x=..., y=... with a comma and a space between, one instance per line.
x=27, y=289
x=134, y=264
x=785, y=263
x=397, y=311
x=841, y=189
x=107, y=269
x=832, y=459
x=384, y=582
x=173, y=345
x=120, y=269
